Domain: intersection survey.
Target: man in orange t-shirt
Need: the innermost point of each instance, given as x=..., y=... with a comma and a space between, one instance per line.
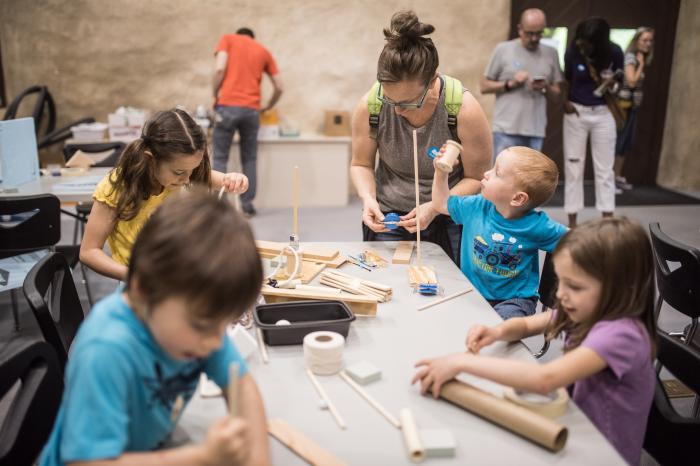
x=240, y=64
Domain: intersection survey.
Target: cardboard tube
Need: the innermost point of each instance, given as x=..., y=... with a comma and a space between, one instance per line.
x=551, y=406
x=447, y=162
x=414, y=446
x=532, y=426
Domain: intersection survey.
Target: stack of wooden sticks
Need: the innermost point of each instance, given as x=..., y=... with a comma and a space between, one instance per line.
x=354, y=285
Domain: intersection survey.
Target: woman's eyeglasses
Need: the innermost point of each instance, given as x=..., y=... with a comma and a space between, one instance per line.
x=404, y=105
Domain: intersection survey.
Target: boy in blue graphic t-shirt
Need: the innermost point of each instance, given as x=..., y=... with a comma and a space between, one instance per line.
x=502, y=233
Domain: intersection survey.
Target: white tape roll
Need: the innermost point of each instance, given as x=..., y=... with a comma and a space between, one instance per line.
x=552, y=405
x=323, y=352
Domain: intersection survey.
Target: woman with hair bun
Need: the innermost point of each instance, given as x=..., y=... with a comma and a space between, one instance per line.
x=411, y=94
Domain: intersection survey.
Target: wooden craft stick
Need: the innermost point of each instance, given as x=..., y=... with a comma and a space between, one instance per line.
x=403, y=253
x=446, y=298
x=414, y=446
x=295, y=200
x=233, y=389
x=261, y=344
x=301, y=445
x=329, y=403
x=415, y=169
x=368, y=398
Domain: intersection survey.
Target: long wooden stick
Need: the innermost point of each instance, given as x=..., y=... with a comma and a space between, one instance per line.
x=446, y=298
x=322, y=394
x=375, y=404
x=261, y=344
x=295, y=199
x=415, y=169
x=233, y=389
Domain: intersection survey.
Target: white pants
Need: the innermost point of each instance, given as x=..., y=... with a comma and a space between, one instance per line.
x=600, y=124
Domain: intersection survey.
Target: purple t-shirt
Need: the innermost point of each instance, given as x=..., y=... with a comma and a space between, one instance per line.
x=617, y=400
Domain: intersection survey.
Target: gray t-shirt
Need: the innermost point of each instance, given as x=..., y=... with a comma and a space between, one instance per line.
x=633, y=94
x=522, y=111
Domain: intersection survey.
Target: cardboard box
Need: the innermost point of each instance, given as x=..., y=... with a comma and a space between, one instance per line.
x=336, y=123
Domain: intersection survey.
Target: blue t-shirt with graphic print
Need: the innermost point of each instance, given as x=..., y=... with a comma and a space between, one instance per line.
x=123, y=392
x=500, y=256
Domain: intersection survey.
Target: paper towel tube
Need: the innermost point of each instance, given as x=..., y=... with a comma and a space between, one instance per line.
x=414, y=446
x=551, y=406
x=532, y=426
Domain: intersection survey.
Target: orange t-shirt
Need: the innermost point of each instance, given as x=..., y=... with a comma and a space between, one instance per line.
x=247, y=60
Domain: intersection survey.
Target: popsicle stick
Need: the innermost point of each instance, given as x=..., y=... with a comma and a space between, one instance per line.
x=368, y=398
x=261, y=344
x=233, y=389
x=415, y=169
x=329, y=403
x=446, y=298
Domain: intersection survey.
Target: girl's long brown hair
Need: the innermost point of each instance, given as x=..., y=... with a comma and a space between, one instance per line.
x=617, y=252
x=166, y=135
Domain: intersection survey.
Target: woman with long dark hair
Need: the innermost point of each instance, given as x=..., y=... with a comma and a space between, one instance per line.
x=592, y=67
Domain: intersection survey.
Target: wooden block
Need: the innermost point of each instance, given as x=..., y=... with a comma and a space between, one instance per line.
x=364, y=372
x=271, y=247
x=403, y=253
x=333, y=264
x=359, y=304
x=308, y=272
x=422, y=274
x=300, y=444
x=438, y=443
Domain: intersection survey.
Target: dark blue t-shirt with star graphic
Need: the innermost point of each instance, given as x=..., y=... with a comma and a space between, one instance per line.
x=123, y=392
x=500, y=256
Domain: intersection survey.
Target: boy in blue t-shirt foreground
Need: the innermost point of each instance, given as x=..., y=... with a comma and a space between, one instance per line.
x=502, y=233
x=137, y=358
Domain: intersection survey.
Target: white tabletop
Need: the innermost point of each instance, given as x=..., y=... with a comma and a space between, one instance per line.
x=393, y=341
x=74, y=187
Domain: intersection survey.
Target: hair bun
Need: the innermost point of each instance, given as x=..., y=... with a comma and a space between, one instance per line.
x=405, y=28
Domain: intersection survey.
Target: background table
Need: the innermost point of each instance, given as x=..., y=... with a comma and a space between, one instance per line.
x=68, y=188
x=394, y=340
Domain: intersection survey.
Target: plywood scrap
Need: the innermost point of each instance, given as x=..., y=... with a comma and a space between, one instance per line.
x=359, y=304
x=421, y=275
x=355, y=285
x=271, y=247
x=403, y=253
x=301, y=445
x=309, y=271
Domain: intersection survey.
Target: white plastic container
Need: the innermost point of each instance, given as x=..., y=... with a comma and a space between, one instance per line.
x=89, y=131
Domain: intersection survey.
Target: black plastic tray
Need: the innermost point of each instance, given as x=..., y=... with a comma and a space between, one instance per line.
x=304, y=317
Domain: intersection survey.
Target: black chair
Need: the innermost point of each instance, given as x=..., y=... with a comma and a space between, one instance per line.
x=31, y=223
x=671, y=438
x=547, y=291
x=44, y=104
x=679, y=287
x=52, y=296
x=33, y=409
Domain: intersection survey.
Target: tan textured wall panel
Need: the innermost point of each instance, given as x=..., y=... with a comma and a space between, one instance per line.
x=96, y=54
x=679, y=166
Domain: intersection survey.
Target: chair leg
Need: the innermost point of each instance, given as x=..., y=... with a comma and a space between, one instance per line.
x=657, y=308
x=83, y=271
x=15, y=309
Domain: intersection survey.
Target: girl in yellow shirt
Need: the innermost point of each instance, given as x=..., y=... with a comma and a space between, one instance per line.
x=170, y=154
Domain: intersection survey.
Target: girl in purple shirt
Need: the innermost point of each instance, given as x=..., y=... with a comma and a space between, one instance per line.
x=605, y=310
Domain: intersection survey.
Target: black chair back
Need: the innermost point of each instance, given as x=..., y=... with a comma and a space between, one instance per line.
x=29, y=223
x=117, y=148
x=680, y=288
x=33, y=409
x=671, y=438
x=548, y=282
x=51, y=293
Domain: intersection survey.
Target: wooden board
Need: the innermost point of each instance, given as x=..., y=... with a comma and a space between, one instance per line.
x=271, y=247
x=403, y=253
x=308, y=272
x=302, y=445
x=333, y=264
x=359, y=304
x=424, y=274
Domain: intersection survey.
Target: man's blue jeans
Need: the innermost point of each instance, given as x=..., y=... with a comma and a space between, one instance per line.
x=503, y=141
x=247, y=122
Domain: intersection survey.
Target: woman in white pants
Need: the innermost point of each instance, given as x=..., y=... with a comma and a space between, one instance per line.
x=590, y=60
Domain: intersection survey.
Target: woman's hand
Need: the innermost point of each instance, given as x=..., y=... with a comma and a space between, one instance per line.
x=569, y=108
x=427, y=215
x=433, y=373
x=372, y=216
x=480, y=336
x=641, y=58
x=236, y=183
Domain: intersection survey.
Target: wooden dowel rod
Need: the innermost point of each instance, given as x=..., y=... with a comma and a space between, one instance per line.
x=322, y=394
x=446, y=298
x=374, y=403
x=233, y=389
x=261, y=344
x=415, y=169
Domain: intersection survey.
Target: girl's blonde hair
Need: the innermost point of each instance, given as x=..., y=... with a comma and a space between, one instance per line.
x=616, y=252
x=166, y=135
x=632, y=46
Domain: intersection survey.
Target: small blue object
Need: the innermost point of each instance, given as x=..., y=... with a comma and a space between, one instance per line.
x=433, y=152
x=428, y=289
x=391, y=220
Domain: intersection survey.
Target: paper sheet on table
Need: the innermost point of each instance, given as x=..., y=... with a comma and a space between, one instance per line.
x=78, y=185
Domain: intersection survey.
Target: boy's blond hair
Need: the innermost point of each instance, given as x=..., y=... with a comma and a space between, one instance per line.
x=536, y=174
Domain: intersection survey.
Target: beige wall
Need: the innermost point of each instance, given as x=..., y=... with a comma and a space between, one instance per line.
x=679, y=166
x=97, y=54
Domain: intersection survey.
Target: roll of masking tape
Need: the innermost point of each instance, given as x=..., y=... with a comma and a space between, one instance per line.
x=323, y=352
x=551, y=405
